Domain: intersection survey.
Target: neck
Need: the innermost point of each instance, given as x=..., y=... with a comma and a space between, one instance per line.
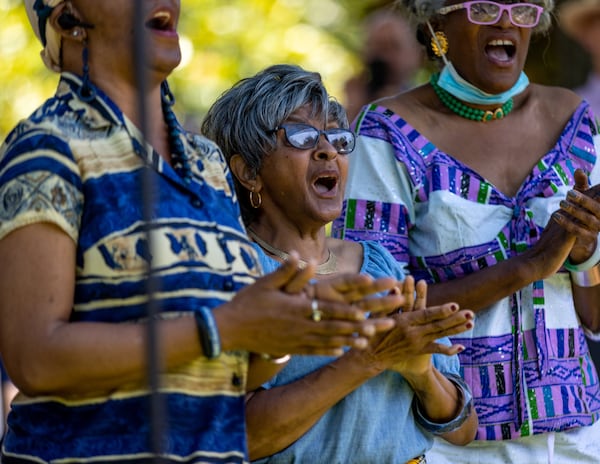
x=155, y=130
x=472, y=112
x=452, y=82
x=310, y=248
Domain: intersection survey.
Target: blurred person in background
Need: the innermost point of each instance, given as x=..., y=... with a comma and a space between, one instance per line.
x=391, y=58
x=580, y=20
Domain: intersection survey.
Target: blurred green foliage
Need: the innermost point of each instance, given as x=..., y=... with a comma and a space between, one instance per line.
x=222, y=41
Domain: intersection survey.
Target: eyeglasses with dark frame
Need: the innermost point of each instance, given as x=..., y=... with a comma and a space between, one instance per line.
x=306, y=137
x=486, y=12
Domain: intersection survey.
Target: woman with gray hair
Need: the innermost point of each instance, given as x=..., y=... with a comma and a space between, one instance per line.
x=287, y=144
x=478, y=181
x=79, y=243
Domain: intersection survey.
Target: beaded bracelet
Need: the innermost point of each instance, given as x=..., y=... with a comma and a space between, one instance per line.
x=208, y=332
x=280, y=360
x=466, y=407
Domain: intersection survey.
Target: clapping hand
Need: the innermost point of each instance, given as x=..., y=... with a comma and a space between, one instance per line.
x=287, y=312
x=579, y=215
x=407, y=348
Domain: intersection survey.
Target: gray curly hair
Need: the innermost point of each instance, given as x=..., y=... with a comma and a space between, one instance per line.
x=242, y=119
x=421, y=11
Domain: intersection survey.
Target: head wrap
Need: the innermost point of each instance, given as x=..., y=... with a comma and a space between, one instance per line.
x=38, y=12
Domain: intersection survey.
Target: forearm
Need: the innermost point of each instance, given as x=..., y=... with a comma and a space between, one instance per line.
x=437, y=396
x=444, y=407
x=480, y=289
x=587, y=305
x=278, y=417
x=84, y=358
x=260, y=370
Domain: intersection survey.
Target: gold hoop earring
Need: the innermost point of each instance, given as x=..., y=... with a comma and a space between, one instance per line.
x=255, y=204
x=439, y=44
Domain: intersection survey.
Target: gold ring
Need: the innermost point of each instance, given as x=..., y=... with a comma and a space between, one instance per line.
x=316, y=314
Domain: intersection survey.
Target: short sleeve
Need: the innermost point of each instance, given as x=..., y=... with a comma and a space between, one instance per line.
x=39, y=182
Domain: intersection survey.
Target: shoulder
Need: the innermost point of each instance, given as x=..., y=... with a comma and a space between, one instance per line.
x=552, y=103
x=419, y=107
x=367, y=257
x=35, y=135
x=349, y=254
x=415, y=101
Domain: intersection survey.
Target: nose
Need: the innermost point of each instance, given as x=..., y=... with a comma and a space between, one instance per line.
x=325, y=150
x=504, y=20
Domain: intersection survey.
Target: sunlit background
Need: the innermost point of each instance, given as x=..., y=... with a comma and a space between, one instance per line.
x=225, y=40
x=222, y=41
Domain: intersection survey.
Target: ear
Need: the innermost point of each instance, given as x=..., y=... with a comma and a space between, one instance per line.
x=65, y=20
x=244, y=174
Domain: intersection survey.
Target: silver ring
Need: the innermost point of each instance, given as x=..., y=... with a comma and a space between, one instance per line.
x=316, y=315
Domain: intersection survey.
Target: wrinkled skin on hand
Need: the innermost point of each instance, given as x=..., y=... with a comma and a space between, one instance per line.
x=273, y=315
x=408, y=347
x=579, y=215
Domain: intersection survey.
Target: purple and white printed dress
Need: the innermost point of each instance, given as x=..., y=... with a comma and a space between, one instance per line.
x=526, y=360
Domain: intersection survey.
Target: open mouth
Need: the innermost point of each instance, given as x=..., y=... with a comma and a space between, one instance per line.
x=161, y=21
x=501, y=50
x=326, y=184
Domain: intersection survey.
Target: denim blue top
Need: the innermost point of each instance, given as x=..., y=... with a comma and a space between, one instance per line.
x=374, y=423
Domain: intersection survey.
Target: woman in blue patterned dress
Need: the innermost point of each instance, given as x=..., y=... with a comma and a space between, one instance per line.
x=288, y=146
x=77, y=246
x=475, y=181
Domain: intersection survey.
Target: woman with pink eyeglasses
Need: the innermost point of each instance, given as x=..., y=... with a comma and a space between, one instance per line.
x=480, y=182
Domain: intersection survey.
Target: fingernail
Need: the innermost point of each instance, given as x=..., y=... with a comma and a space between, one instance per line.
x=360, y=343
x=369, y=330
x=461, y=348
x=395, y=291
x=573, y=194
x=469, y=325
x=454, y=307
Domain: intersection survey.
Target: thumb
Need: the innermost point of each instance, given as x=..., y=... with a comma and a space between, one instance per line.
x=581, y=180
x=288, y=276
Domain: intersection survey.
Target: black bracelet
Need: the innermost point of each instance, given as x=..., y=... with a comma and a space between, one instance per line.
x=208, y=332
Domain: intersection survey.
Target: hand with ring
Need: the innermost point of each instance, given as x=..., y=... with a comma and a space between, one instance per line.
x=316, y=314
x=278, y=313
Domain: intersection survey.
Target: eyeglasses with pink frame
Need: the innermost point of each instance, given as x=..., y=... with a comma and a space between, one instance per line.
x=485, y=12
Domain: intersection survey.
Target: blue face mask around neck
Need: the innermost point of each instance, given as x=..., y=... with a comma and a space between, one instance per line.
x=454, y=84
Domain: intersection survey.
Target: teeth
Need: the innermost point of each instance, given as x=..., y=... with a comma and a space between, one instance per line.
x=500, y=43
x=160, y=20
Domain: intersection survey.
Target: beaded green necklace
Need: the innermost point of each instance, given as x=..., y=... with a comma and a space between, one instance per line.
x=458, y=107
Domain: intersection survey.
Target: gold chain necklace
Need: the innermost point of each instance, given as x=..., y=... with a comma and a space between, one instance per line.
x=328, y=267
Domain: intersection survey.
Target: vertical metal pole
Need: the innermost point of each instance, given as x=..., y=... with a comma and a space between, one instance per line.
x=156, y=405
